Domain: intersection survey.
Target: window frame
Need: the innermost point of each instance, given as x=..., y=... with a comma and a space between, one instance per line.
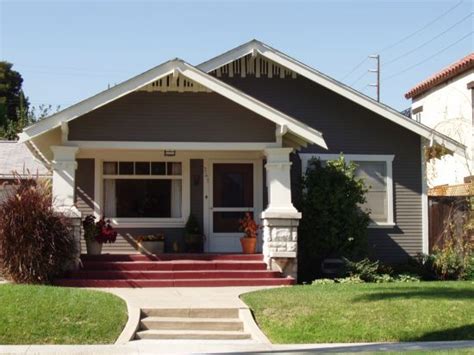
x=387, y=159
x=149, y=222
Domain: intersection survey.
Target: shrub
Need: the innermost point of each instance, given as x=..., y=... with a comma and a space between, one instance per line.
x=365, y=269
x=333, y=224
x=323, y=282
x=37, y=242
x=408, y=278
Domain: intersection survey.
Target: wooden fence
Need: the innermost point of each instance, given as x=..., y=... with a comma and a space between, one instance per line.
x=446, y=213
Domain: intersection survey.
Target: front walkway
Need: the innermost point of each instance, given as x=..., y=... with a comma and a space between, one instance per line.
x=184, y=297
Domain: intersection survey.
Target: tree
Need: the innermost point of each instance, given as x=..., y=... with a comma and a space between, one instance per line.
x=333, y=224
x=13, y=103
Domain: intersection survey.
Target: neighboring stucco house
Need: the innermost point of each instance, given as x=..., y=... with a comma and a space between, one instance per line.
x=16, y=161
x=445, y=102
x=228, y=136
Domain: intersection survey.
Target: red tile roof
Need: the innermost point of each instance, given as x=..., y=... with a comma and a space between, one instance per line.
x=449, y=72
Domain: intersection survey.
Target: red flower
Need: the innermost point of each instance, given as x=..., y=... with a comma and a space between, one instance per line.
x=249, y=226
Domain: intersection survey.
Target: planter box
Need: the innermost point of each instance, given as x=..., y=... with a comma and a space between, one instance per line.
x=155, y=247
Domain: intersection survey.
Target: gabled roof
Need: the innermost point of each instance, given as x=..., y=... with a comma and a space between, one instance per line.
x=16, y=158
x=257, y=47
x=175, y=67
x=443, y=75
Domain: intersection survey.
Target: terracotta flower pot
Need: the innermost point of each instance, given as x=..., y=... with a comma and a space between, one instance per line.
x=248, y=245
x=93, y=247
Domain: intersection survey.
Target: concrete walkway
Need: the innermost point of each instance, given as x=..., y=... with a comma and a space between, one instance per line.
x=187, y=347
x=184, y=297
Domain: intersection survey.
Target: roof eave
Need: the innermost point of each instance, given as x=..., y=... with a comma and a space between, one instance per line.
x=332, y=84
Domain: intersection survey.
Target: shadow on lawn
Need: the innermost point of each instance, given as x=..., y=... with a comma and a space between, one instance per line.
x=465, y=332
x=419, y=292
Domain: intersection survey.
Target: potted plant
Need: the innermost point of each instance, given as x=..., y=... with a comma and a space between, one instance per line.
x=151, y=244
x=97, y=233
x=193, y=237
x=250, y=228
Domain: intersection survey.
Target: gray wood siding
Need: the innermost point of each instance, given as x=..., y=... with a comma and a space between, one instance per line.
x=172, y=117
x=84, y=190
x=352, y=129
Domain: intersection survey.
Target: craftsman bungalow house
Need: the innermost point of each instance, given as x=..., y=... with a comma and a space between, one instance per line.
x=226, y=137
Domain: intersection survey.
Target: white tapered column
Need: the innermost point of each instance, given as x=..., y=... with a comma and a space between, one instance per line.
x=64, y=178
x=280, y=218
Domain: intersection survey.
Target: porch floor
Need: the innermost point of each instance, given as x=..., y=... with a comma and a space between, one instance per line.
x=173, y=270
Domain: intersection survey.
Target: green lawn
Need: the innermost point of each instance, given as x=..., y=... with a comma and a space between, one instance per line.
x=366, y=312
x=55, y=315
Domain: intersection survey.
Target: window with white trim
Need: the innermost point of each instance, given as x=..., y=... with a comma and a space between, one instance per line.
x=142, y=189
x=376, y=171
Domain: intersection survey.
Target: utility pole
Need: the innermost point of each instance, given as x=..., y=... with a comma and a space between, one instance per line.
x=377, y=72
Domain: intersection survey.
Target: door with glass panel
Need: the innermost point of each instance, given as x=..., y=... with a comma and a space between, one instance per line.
x=232, y=193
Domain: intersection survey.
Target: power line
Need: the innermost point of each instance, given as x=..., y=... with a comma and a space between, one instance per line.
x=354, y=69
x=432, y=56
x=360, y=77
x=406, y=38
x=421, y=29
x=429, y=41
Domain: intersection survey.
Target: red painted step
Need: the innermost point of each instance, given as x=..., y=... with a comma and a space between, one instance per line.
x=169, y=257
x=166, y=275
x=174, y=265
x=174, y=270
x=175, y=283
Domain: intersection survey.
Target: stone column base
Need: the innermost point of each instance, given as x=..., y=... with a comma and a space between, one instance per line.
x=280, y=244
x=76, y=224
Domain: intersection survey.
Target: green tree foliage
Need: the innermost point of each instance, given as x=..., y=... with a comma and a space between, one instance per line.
x=13, y=103
x=333, y=224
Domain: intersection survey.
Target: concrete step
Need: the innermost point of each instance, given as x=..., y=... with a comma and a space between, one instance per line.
x=232, y=313
x=167, y=275
x=180, y=323
x=192, y=334
x=174, y=283
x=175, y=265
x=170, y=257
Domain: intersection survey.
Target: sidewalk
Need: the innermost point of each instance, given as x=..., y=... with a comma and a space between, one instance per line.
x=186, y=347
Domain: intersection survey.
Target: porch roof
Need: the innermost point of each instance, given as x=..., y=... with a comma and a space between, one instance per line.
x=300, y=132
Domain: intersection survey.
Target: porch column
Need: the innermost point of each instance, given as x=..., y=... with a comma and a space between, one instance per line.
x=64, y=177
x=280, y=219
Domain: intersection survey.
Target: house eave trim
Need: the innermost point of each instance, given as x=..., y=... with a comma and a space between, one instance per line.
x=333, y=85
x=300, y=129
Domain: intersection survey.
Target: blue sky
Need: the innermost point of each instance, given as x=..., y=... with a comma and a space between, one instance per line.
x=69, y=50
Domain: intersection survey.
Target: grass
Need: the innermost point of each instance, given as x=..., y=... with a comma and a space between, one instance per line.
x=55, y=315
x=425, y=311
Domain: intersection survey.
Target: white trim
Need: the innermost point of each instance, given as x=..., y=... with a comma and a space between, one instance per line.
x=388, y=159
x=298, y=128
x=98, y=100
x=148, y=222
x=208, y=196
x=424, y=203
x=331, y=84
x=124, y=222
x=130, y=145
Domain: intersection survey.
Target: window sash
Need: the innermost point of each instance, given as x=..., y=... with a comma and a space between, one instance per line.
x=359, y=158
x=176, y=177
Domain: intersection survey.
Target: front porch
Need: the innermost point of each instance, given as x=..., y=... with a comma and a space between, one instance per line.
x=154, y=191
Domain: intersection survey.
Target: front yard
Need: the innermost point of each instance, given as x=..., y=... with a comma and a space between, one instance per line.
x=369, y=312
x=54, y=315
